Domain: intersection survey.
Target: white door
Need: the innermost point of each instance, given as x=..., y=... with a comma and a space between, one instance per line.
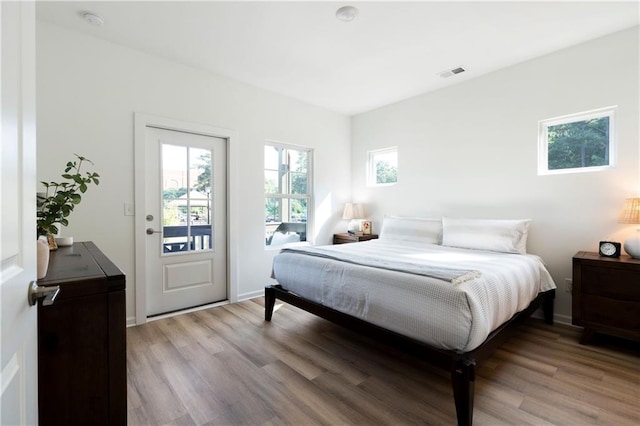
x=18, y=359
x=185, y=217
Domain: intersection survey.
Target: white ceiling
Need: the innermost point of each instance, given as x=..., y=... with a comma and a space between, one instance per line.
x=391, y=51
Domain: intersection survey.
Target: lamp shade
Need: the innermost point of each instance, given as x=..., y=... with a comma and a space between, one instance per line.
x=353, y=211
x=631, y=211
x=631, y=214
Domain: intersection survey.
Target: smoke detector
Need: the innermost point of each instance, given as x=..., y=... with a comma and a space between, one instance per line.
x=346, y=13
x=451, y=73
x=92, y=18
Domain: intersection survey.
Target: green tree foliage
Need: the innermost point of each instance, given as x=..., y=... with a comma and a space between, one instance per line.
x=173, y=193
x=386, y=173
x=579, y=144
x=271, y=205
x=170, y=215
x=204, y=178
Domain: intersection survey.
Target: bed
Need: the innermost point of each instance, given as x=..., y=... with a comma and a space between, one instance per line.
x=448, y=290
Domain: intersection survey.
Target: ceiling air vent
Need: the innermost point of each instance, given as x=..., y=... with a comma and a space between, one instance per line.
x=451, y=73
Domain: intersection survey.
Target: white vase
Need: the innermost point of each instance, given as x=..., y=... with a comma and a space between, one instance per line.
x=42, y=259
x=632, y=245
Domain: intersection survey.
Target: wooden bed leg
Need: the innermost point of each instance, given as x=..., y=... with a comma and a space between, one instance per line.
x=547, y=306
x=463, y=378
x=269, y=302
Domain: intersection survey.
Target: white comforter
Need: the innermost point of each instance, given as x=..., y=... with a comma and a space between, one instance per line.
x=458, y=312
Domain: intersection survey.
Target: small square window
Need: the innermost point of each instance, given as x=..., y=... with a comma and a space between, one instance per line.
x=382, y=167
x=577, y=143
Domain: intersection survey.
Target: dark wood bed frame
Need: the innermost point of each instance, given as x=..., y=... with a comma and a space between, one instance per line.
x=461, y=365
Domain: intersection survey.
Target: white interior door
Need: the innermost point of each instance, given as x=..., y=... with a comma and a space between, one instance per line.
x=18, y=358
x=186, y=222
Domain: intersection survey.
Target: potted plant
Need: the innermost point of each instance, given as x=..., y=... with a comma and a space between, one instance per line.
x=60, y=198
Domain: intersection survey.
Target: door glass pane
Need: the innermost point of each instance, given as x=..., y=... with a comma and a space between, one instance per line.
x=174, y=184
x=186, y=199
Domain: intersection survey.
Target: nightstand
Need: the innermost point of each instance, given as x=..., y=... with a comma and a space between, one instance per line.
x=606, y=295
x=345, y=238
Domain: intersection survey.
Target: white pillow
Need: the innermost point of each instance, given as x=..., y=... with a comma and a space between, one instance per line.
x=415, y=229
x=507, y=236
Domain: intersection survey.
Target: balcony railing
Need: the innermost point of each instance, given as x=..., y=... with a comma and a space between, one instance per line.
x=176, y=238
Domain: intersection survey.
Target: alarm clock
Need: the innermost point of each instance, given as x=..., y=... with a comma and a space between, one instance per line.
x=609, y=249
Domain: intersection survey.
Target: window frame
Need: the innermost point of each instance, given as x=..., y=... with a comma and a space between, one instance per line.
x=371, y=169
x=543, y=140
x=308, y=196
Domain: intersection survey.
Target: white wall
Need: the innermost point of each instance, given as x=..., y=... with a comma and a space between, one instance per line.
x=87, y=93
x=470, y=150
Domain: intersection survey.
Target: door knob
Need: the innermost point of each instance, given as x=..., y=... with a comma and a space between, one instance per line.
x=36, y=292
x=151, y=231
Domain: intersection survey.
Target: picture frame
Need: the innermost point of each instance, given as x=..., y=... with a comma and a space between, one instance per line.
x=366, y=227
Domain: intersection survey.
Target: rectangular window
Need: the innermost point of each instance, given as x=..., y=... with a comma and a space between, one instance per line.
x=287, y=187
x=382, y=167
x=186, y=199
x=577, y=143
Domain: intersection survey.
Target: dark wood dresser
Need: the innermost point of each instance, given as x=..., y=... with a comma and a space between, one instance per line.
x=606, y=295
x=82, y=378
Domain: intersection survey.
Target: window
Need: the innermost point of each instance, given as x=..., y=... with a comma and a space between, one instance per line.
x=187, y=202
x=382, y=167
x=287, y=187
x=577, y=142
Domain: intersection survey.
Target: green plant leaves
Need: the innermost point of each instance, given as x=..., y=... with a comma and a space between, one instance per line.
x=61, y=197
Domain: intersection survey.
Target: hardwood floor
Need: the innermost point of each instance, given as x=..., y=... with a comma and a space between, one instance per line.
x=226, y=365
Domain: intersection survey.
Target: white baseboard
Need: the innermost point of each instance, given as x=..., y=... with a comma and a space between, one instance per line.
x=557, y=318
x=252, y=295
x=562, y=319
x=131, y=321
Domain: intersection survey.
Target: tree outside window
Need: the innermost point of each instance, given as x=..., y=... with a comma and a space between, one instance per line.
x=579, y=142
x=382, y=167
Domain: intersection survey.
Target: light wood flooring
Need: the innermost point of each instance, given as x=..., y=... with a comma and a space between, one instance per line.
x=226, y=365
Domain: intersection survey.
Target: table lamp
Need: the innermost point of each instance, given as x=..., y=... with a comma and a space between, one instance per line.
x=354, y=213
x=631, y=214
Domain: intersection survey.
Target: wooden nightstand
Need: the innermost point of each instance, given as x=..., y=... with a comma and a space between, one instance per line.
x=345, y=238
x=606, y=295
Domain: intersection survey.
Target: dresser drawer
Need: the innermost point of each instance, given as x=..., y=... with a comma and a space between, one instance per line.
x=611, y=282
x=611, y=312
x=606, y=295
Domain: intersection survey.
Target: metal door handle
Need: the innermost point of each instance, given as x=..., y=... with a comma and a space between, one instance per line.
x=49, y=294
x=151, y=231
